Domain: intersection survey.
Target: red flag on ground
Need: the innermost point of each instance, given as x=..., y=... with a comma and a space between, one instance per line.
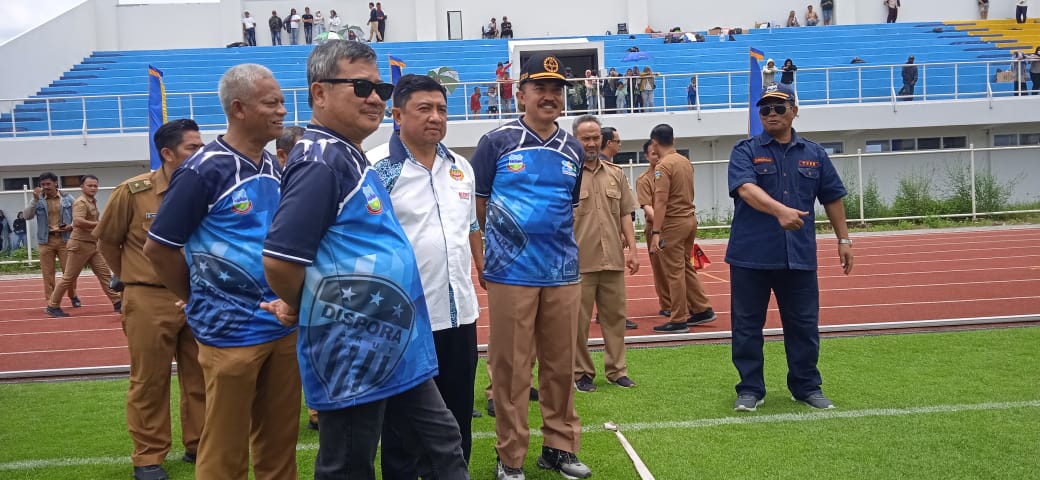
x=699, y=258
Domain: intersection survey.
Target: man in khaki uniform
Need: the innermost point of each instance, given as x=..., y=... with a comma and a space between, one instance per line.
x=603, y=217
x=645, y=196
x=675, y=229
x=156, y=329
x=53, y=223
x=82, y=247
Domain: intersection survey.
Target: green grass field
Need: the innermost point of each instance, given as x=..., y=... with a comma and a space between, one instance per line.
x=961, y=405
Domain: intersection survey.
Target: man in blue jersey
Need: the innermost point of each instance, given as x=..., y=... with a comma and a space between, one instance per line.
x=431, y=188
x=528, y=180
x=218, y=208
x=344, y=269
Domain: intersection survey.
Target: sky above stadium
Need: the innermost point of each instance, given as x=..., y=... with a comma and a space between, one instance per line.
x=22, y=15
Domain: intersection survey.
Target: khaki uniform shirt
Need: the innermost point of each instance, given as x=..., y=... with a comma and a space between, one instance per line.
x=674, y=181
x=645, y=192
x=86, y=209
x=54, y=214
x=128, y=215
x=605, y=196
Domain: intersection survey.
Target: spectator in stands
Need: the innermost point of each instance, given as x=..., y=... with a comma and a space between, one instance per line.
x=491, y=29
x=983, y=9
x=308, y=26
x=647, y=86
x=293, y=20
x=769, y=73
x=787, y=72
x=1020, y=11
x=82, y=247
x=275, y=24
x=505, y=86
x=507, y=28
x=319, y=23
x=691, y=94
x=373, y=24
x=381, y=19
x=249, y=29
x=334, y=23
x=827, y=7
x=624, y=97
x=635, y=97
x=248, y=356
x=909, y=74
x=608, y=87
x=591, y=90
x=5, y=235
x=18, y=226
x=53, y=213
x=1021, y=73
x=811, y=18
x=491, y=102
x=474, y=104
x=893, y=10
x=1034, y=70
x=792, y=20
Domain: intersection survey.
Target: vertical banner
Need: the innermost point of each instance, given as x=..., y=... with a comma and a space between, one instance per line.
x=754, y=91
x=156, y=111
x=396, y=69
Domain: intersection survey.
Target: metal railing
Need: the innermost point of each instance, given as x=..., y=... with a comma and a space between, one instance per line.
x=65, y=115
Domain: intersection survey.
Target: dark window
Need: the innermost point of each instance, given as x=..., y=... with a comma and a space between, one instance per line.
x=625, y=158
x=17, y=183
x=901, y=144
x=1029, y=139
x=1005, y=140
x=833, y=148
x=931, y=143
x=69, y=181
x=874, y=146
x=955, y=142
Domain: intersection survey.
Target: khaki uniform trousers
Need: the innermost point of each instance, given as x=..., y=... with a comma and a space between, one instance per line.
x=525, y=320
x=156, y=332
x=54, y=249
x=81, y=253
x=605, y=290
x=684, y=288
x=660, y=280
x=252, y=407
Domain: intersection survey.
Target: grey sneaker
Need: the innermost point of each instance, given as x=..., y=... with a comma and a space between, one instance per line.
x=564, y=462
x=584, y=384
x=701, y=318
x=747, y=402
x=508, y=473
x=816, y=400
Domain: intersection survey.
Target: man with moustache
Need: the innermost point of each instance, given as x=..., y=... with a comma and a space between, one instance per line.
x=345, y=271
x=205, y=245
x=52, y=210
x=156, y=330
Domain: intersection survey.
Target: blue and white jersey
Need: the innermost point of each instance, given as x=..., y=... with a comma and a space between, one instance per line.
x=532, y=186
x=218, y=208
x=364, y=328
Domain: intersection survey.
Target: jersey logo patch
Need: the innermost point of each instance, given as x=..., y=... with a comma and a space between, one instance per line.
x=657, y=174
x=808, y=163
x=569, y=169
x=240, y=203
x=456, y=173
x=373, y=204
x=759, y=160
x=515, y=163
x=463, y=195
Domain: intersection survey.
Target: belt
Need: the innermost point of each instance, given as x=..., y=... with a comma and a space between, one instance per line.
x=142, y=284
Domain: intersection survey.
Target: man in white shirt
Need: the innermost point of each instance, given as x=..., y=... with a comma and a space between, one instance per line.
x=294, y=27
x=432, y=191
x=334, y=23
x=249, y=29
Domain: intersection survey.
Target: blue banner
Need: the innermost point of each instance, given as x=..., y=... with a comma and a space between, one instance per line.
x=754, y=91
x=396, y=69
x=156, y=111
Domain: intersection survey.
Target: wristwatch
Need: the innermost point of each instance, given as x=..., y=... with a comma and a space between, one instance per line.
x=655, y=232
x=845, y=241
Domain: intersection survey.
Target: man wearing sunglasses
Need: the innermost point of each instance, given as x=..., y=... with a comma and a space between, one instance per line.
x=775, y=179
x=344, y=269
x=528, y=178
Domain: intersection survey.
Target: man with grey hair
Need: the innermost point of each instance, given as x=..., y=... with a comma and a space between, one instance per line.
x=602, y=219
x=217, y=210
x=344, y=269
x=285, y=143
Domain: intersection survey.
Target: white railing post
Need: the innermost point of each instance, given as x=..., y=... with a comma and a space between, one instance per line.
x=924, y=82
x=697, y=96
x=14, y=124
x=664, y=96
x=971, y=175
x=83, y=103
x=859, y=181
x=827, y=84
x=956, y=74
x=119, y=111
x=28, y=225
x=50, y=127
x=729, y=80
x=859, y=87
x=191, y=105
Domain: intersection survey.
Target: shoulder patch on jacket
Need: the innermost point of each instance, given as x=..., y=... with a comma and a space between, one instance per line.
x=138, y=186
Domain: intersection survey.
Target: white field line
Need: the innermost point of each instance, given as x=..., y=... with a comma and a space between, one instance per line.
x=61, y=332
x=810, y=416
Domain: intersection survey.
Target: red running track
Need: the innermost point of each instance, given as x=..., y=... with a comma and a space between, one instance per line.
x=898, y=277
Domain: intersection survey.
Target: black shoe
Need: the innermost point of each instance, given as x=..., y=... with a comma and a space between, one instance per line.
x=665, y=313
x=118, y=306
x=476, y=413
x=76, y=304
x=56, y=312
x=189, y=457
x=564, y=462
x=533, y=396
x=672, y=327
x=623, y=382
x=630, y=325
x=491, y=408
x=312, y=425
x=700, y=318
x=584, y=384
x=150, y=472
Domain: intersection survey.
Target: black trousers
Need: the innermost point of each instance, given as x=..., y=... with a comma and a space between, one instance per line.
x=457, y=366
x=347, y=438
x=892, y=14
x=1020, y=13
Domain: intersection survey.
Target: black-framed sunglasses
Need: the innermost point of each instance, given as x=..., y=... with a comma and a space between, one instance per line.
x=363, y=88
x=764, y=110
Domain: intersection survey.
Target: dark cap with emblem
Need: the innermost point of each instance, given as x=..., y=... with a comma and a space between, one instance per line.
x=776, y=90
x=542, y=66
